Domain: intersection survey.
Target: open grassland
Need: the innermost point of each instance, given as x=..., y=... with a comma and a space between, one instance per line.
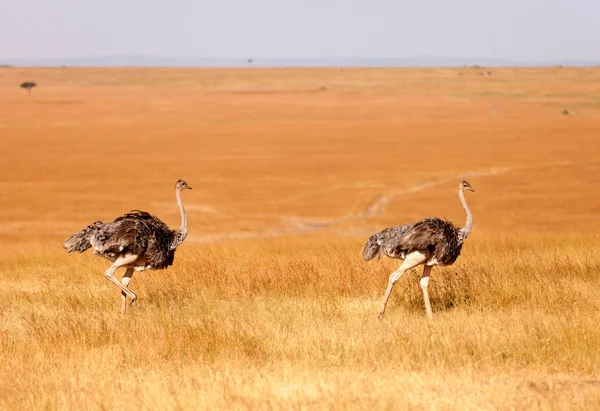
x=269, y=304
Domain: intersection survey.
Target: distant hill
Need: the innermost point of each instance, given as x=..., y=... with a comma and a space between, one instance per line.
x=150, y=61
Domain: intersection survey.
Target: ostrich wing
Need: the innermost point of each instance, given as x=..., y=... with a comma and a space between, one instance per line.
x=138, y=233
x=422, y=234
x=437, y=235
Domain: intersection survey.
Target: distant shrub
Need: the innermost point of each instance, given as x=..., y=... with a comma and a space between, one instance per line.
x=566, y=112
x=28, y=85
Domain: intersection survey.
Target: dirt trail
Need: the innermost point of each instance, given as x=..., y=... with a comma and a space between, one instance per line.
x=374, y=210
x=378, y=206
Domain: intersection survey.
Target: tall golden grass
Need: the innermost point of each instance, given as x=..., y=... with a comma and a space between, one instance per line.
x=292, y=323
x=269, y=304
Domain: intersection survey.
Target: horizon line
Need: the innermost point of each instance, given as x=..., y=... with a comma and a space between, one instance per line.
x=137, y=60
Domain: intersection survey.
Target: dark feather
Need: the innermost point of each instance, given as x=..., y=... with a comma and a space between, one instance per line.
x=437, y=235
x=137, y=232
x=81, y=240
x=371, y=249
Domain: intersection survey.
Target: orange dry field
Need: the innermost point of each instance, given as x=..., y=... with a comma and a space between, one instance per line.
x=269, y=304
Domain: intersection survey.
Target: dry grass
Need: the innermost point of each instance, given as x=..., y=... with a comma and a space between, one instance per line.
x=252, y=325
x=269, y=304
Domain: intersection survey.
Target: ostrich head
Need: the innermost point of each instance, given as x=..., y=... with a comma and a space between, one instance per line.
x=465, y=186
x=182, y=185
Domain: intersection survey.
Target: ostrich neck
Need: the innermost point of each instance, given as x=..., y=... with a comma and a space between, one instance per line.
x=464, y=232
x=182, y=231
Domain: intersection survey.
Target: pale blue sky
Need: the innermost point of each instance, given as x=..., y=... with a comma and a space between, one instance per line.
x=507, y=29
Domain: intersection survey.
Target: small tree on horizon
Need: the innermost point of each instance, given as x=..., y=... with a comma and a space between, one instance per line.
x=250, y=61
x=28, y=85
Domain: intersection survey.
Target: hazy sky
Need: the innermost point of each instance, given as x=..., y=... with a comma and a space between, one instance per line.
x=508, y=29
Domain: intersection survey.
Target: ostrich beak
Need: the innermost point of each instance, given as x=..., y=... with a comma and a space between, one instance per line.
x=470, y=189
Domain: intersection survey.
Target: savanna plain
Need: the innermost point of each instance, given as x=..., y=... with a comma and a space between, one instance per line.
x=269, y=304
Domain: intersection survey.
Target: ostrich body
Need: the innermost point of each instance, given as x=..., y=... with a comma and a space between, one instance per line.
x=429, y=241
x=137, y=240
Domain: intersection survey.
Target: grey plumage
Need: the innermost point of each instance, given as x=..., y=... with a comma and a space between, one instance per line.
x=429, y=241
x=136, y=240
x=437, y=235
x=372, y=247
x=136, y=232
x=82, y=240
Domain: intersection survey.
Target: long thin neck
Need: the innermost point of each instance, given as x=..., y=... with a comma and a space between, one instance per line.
x=464, y=232
x=181, y=232
x=184, y=224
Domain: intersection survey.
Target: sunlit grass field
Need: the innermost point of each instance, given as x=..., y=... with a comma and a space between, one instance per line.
x=269, y=304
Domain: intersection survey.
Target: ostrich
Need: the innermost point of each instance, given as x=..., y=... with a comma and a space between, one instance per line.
x=429, y=241
x=137, y=240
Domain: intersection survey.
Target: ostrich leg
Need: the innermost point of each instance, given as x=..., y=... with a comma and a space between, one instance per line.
x=110, y=274
x=125, y=281
x=412, y=260
x=424, y=283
